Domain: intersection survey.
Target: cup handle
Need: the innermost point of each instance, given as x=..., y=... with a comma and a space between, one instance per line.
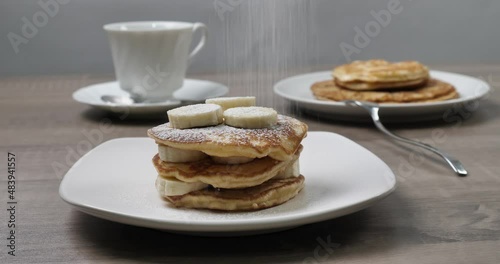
x=203, y=28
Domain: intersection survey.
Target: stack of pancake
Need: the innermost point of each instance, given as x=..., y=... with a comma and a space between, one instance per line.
x=228, y=155
x=380, y=81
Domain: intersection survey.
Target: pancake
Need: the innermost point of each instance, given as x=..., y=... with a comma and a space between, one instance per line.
x=265, y=195
x=222, y=175
x=367, y=86
x=449, y=96
x=434, y=90
x=380, y=71
x=279, y=142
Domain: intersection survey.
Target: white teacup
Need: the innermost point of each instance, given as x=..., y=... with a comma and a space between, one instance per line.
x=151, y=57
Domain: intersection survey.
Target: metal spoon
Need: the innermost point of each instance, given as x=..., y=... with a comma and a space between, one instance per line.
x=373, y=109
x=126, y=100
x=120, y=100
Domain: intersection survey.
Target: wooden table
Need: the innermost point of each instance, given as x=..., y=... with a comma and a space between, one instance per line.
x=432, y=217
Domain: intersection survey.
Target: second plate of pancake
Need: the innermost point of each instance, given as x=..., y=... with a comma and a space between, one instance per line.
x=433, y=90
x=297, y=89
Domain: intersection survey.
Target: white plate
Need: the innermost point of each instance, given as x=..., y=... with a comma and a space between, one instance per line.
x=193, y=91
x=115, y=181
x=297, y=89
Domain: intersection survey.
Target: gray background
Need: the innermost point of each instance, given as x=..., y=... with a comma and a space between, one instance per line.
x=446, y=31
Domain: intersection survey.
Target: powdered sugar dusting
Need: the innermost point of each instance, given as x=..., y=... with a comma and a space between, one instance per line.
x=250, y=111
x=230, y=99
x=194, y=109
x=286, y=128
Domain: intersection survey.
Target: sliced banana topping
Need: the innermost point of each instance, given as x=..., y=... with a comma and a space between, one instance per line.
x=292, y=170
x=250, y=117
x=231, y=160
x=231, y=102
x=170, y=154
x=198, y=115
x=172, y=186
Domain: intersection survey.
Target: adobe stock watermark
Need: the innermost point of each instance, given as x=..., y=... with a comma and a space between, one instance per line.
x=153, y=79
x=455, y=115
x=372, y=29
x=416, y=158
x=93, y=138
x=31, y=26
x=223, y=6
x=323, y=251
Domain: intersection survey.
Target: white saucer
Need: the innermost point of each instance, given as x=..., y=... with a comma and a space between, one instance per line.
x=192, y=91
x=298, y=89
x=115, y=181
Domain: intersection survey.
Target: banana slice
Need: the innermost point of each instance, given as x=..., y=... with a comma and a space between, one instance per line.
x=292, y=170
x=230, y=102
x=170, y=154
x=198, y=115
x=231, y=160
x=250, y=117
x=172, y=186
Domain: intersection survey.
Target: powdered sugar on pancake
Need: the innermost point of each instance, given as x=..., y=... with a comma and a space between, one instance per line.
x=224, y=134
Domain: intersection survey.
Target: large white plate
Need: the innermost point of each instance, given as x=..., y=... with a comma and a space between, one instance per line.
x=297, y=89
x=115, y=181
x=192, y=91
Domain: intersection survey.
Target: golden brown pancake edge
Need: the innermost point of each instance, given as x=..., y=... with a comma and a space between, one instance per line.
x=434, y=90
x=265, y=195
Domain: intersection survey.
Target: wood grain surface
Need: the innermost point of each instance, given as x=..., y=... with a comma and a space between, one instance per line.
x=432, y=217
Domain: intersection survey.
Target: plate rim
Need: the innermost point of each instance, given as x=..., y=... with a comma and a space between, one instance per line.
x=237, y=225
x=166, y=103
x=277, y=88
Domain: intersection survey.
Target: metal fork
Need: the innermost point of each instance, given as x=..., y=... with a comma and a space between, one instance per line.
x=373, y=109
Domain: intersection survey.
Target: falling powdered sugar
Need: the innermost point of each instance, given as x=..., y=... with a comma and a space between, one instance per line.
x=261, y=42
